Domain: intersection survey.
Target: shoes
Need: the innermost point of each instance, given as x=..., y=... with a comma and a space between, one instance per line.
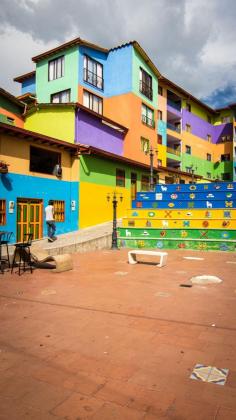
x=54, y=238
x=50, y=240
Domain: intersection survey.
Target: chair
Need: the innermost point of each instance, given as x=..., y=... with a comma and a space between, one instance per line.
x=22, y=250
x=5, y=238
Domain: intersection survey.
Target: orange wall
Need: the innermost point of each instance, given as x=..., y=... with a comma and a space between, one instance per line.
x=199, y=148
x=162, y=105
x=18, y=120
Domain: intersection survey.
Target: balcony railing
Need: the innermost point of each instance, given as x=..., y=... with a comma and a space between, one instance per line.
x=173, y=151
x=145, y=90
x=173, y=127
x=93, y=79
x=174, y=104
x=148, y=121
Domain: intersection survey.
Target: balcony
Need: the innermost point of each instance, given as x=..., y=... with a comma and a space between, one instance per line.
x=93, y=79
x=148, y=121
x=174, y=127
x=174, y=105
x=145, y=90
x=173, y=151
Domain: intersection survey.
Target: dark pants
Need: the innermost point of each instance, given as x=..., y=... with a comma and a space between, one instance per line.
x=51, y=229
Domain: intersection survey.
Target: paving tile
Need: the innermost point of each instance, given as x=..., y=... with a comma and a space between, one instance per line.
x=210, y=374
x=115, y=412
x=78, y=406
x=226, y=414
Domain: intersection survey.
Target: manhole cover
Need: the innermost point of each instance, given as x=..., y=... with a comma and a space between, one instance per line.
x=205, y=279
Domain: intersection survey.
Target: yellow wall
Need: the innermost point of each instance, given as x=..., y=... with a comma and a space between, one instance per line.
x=54, y=122
x=95, y=208
x=16, y=152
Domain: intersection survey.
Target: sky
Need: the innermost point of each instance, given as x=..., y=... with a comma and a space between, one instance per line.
x=192, y=42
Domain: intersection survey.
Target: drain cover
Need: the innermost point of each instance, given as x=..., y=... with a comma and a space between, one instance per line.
x=205, y=279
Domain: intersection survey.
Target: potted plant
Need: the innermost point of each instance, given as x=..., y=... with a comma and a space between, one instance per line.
x=3, y=167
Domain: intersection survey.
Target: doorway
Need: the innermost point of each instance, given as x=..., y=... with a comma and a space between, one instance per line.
x=29, y=218
x=133, y=185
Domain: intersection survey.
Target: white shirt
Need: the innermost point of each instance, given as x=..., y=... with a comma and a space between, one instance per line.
x=49, y=213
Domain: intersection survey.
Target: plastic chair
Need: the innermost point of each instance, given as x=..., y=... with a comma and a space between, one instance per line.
x=22, y=249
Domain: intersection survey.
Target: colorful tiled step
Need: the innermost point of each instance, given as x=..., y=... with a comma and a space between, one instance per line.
x=179, y=223
x=172, y=196
x=182, y=214
x=149, y=233
x=215, y=186
x=184, y=204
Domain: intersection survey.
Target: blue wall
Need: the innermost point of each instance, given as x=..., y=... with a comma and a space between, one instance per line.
x=13, y=186
x=28, y=85
x=162, y=131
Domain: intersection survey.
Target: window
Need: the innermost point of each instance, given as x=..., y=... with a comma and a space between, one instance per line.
x=56, y=68
x=144, y=183
x=225, y=176
x=145, y=83
x=225, y=158
x=92, y=102
x=225, y=138
x=120, y=178
x=188, y=107
x=61, y=97
x=93, y=72
x=43, y=160
x=148, y=116
x=160, y=90
x=209, y=119
x=59, y=210
x=159, y=162
x=188, y=150
x=159, y=114
x=209, y=157
x=159, y=139
x=209, y=137
x=188, y=128
x=189, y=169
x=144, y=145
x=208, y=175
x=225, y=119
x=2, y=212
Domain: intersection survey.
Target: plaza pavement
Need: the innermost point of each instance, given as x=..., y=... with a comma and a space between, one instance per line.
x=109, y=340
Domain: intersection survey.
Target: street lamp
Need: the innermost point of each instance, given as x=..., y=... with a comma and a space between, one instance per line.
x=114, y=197
x=151, y=152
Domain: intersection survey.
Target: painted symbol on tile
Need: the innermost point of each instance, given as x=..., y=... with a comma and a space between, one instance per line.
x=174, y=196
x=182, y=245
x=135, y=213
x=190, y=204
x=163, y=233
x=159, y=196
x=145, y=233
x=168, y=213
x=163, y=188
x=224, y=247
x=229, y=204
x=208, y=214
x=165, y=223
x=148, y=223
x=178, y=188
x=151, y=213
x=210, y=196
x=186, y=223
x=171, y=205
x=131, y=223
x=154, y=204
x=192, y=187
x=192, y=196
x=204, y=234
x=189, y=213
x=139, y=204
x=230, y=187
x=127, y=232
x=202, y=246
x=184, y=234
x=217, y=187
x=205, y=187
x=225, y=223
x=227, y=213
x=140, y=244
x=159, y=244
x=205, y=223
x=211, y=374
x=229, y=195
x=209, y=205
x=225, y=235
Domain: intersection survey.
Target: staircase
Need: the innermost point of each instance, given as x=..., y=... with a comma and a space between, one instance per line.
x=182, y=216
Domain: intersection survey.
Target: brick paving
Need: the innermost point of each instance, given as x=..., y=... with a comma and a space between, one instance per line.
x=95, y=344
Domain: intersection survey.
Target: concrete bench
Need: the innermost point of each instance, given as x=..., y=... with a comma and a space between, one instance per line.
x=133, y=260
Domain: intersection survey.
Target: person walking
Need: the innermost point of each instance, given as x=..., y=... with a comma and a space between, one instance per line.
x=50, y=221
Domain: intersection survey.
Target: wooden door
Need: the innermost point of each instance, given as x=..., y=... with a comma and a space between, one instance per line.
x=29, y=218
x=133, y=185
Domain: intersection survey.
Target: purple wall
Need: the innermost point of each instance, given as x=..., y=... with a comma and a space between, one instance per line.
x=201, y=128
x=91, y=131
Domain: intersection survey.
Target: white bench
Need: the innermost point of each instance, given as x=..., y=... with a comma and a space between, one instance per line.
x=132, y=256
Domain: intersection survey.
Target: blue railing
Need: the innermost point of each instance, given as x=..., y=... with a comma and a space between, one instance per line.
x=174, y=127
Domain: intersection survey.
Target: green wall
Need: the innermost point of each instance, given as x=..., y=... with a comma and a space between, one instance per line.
x=44, y=88
x=203, y=166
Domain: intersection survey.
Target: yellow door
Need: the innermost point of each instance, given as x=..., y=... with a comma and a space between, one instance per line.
x=29, y=218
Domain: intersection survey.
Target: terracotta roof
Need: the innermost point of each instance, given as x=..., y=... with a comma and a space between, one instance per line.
x=25, y=76
x=72, y=43
x=36, y=137
x=11, y=98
